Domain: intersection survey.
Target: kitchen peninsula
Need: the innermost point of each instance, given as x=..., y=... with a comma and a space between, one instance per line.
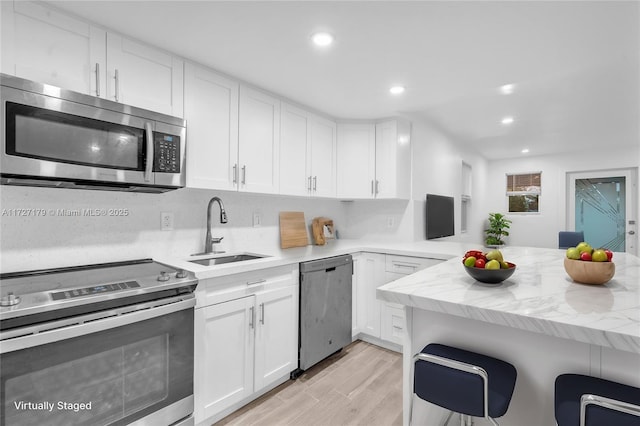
x=539, y=320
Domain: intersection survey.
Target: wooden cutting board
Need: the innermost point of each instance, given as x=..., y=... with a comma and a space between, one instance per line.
x=293, y=230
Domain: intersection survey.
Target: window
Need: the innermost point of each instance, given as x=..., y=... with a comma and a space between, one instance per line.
x=523, y=192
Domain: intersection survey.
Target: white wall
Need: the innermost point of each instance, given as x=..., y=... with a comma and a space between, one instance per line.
x=541, y=229
x=34, y=242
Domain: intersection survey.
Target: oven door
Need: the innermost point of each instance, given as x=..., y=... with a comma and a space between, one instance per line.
x=132, y=367
x=49, y=137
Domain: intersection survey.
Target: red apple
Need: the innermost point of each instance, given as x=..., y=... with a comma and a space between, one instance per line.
x=480, y=263
x=585, y=256
x=609, y=254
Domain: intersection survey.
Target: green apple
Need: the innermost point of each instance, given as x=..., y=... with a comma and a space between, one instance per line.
x=504, y=265
x=470, y=261
x=494, y=255
x=573, y=253
x=584, y=247
x=492, y=264
x=599, y=256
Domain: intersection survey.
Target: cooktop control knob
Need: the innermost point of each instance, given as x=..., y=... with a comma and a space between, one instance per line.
x=181, y=274
x=163, y=276
x=9, y=300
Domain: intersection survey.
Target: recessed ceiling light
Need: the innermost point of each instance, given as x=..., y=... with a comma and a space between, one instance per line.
x=525, y=151
x=507, y=120
x=396, y=90
x=322, y=39
x=507, y=89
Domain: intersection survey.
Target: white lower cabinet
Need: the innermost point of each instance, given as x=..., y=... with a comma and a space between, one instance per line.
x=246, y=340
x=382, y=321
x=368, y=276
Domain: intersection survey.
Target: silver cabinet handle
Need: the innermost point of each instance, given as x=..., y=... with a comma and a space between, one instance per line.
x=244, y=175
x=117, y=93
x=149, y=166
x=309, y=183
x=251, y=317
x=315, y=183
x=97, y=79
x=235, y=174
x=256, y=282
x=372, y=188
x=262, y=313
x=377, y=186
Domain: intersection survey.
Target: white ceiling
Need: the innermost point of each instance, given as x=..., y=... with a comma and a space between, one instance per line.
x=575, y=64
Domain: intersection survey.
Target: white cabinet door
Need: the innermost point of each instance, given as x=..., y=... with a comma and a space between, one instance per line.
x=46, y=46
x=224, y=345
x=259, y=135
x=370, y=276
x=385, y=159
x=356, y=160
x=393, y=160
x=276, y=351
x=323, y=157
x=143, y=76
x=295, y=132
x=211, y=111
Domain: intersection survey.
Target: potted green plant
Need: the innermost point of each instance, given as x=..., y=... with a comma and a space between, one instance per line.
x=498, y=225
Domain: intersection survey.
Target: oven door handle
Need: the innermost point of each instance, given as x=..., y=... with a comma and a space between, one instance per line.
x=91, y=323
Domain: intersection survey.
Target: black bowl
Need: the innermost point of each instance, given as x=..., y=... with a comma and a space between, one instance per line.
x=492, y=276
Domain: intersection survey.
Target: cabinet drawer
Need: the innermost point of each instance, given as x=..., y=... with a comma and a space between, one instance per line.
x=392, y=322
x=408, y=264
x=221, y=289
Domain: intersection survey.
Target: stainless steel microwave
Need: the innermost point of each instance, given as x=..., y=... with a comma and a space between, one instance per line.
x=59, y=138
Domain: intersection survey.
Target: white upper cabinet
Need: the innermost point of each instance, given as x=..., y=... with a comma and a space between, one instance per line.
x=46, y=46
x=356, y=160
x=259, y=142
x=211, y=111
x=374, y=160
x=393, y=160
x=322, y=169
x=295, y=133
x=307, y=153
x=142, y=76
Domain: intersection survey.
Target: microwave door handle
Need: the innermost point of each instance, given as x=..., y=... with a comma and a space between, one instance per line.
x=149, y=156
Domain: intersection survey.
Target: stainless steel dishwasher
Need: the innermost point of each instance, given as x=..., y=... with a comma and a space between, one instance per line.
x=325, y=309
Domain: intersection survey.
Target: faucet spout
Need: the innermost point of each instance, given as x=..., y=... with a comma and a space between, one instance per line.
x=208, y=242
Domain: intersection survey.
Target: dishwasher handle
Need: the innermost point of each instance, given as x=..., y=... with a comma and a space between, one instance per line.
x=327, y=264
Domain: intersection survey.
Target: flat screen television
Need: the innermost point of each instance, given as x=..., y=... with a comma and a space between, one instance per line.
x=439, y=216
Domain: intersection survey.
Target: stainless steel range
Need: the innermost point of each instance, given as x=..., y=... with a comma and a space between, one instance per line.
x=107, y=344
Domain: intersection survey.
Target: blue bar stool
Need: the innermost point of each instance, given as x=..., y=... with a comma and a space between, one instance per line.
x=464, y=382
x=568, y=239
x=589, y=401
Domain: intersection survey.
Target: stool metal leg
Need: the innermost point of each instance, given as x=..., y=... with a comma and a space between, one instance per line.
x=612, y=404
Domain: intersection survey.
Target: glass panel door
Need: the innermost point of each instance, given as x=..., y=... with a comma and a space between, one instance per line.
x=602, y=204
x=600, y=211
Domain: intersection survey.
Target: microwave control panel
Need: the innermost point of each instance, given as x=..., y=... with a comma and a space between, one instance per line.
x=166, y=153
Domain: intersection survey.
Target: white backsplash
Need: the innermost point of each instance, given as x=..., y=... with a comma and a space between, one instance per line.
x=45, y=227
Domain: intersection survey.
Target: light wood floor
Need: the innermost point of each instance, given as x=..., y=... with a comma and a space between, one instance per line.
x=361, y=385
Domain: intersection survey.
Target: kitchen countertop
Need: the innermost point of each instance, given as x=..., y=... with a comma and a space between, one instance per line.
x=539, y=297
x=278, y=257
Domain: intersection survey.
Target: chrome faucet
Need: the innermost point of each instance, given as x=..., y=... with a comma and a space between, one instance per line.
x=209, y=241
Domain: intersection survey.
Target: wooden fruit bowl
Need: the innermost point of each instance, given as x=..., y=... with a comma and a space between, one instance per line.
x=586, y=272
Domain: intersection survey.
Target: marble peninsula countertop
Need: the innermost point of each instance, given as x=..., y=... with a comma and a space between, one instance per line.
x=538, y=297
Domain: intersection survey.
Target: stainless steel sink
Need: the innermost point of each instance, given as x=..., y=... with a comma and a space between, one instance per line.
x=220, y=260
